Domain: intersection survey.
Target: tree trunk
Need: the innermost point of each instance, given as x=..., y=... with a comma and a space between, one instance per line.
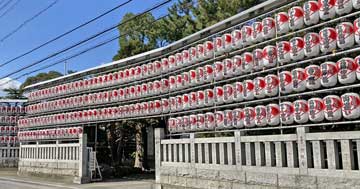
x=111, y=137
x=139, y=154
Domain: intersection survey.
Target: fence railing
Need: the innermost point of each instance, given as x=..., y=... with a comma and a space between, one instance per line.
x=9, y=156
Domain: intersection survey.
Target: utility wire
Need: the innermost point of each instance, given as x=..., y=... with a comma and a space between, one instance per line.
x=64, y=34
x=10, y=8
x=87, y=39
x=83, y=51
x=27, y=21
x=6, y=4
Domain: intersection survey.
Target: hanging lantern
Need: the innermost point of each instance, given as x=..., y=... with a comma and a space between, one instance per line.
x=316, y=109
x=260, y=86
x=333, y=105
x=345, y=35
x=209, y=97
x=273, y=114
x=351, y=105
x=311, y=12
x=269, y=56
x=296, y=18
x=328, y=38
x=347, y=70
x=312, y=44
x=238, y=118
x=248, y=92
x=301, y=112
x=257, y=29
x=329, y=74
x=268, y=31
x=313, y=75
x=283, y=49
x=299, y=79
x=287, y=113
x=282, y=22
x=343, y=7
x=260, y=116
x=327, y=9
x=249, y=117
x=286, y=82
x=238, y=91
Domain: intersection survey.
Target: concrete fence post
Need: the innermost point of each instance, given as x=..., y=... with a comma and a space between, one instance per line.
x=238, y=160
x=303, y=149
x=83, y=176
x=159, y=134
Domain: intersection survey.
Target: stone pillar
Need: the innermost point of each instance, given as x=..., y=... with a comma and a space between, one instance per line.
x=303, y=149
x=347, y=155
x=159, y=134
x=192, y=149
x=319, y=155
x=238, y=159
x=332, y=154
x=83, y=176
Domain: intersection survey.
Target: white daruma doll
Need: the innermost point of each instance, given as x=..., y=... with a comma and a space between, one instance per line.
x=296, y=18
x=343, y=7
x=357, y=30
x=269, y=56
x=227, y=40
x=237, y=39
x=209, y=97
x=246, y=32
x=229, y=68
x=328, y=38
x=268, y=30
x=356, y=4
x=247, y=62
x=316, y=109
x=297, y=45
x=357, y=62
x=260, y=116
x=283, y=49
x=219, y=95
x=210, y=120
x=282, y=22
x=299, y=79
x=228, y=93
x=273, y=114
x=238, y=115
x=347, y=70
x=260, y=85
x=333, y=105
x=228, y=119
x=286, y=82
x=345, y=35
x=271, y=85
x=311, y=12
x=351, y=105
x=313, y=74
x=329, y=74
x=312, y=44
x=219, y=118
x=249, y=117
x=327, y=9
x=301, y=111
x=248, y=92
x=209, y=49
x=287, y=113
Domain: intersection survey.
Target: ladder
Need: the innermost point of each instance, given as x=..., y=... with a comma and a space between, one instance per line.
x=94, y=169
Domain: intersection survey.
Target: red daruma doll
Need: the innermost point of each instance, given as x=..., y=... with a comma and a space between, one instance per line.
x=282, y=22
x=312, y=44
x=333, y=105
x=271, y=85
x=260, y=116
x=316, y=109
x=238, y=91
x=273, y=114
x=311, y=12
x=238, y=118
x=327, y=40
x=347, y=70
x=260, y=86
x=351, y=105
x=301, y=111
x=357, y=29
x=327, y=9
x=268, y=31
x=329, y=74
x=283, y=49
x=345, y=35
x=313, y=74
x=296, y=18
x=249, y=117
x=299, y=79
x=287, y=113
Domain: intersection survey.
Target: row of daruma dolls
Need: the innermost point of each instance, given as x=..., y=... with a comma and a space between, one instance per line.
x=11, y=109
x=327, y=74
x=9, y=119
x=9, y=139
x=6, y=130
x=284, y=52
x=330, y=108
x=71, y=132
x=294, y=19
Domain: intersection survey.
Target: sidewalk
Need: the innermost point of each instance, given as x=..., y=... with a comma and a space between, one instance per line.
x=11, y=179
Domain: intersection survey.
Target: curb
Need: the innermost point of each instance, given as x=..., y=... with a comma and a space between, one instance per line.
x=36, y=183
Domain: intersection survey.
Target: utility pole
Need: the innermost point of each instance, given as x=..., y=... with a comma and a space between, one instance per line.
x=65, y=68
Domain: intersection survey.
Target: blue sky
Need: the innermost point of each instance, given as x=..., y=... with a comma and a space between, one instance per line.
x=64, y=15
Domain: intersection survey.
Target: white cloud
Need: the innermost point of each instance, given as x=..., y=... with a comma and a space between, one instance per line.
x=8, y=83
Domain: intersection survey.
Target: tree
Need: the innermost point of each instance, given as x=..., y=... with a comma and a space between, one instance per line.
x=40, y=77
x=13, y=93
x=137, y=36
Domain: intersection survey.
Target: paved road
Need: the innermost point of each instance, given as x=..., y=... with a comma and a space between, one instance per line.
x=7, y=184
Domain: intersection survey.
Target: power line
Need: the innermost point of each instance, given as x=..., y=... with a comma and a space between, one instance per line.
x=82, y=52
x=87, y=39
x=28, y=20
x=64, y=34
x=6, y=4
x=10, y=8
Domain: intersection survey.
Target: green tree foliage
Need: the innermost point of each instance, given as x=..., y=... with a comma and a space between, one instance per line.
x=13, y=93
x=40, y=77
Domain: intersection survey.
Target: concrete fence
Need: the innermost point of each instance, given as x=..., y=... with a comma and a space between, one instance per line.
x=59, y=158
x=9, y=156
x=300, y=160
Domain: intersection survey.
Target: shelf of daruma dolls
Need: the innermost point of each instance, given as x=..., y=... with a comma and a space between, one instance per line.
x=233, y=52
x=202, y=109
x=209, y=85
